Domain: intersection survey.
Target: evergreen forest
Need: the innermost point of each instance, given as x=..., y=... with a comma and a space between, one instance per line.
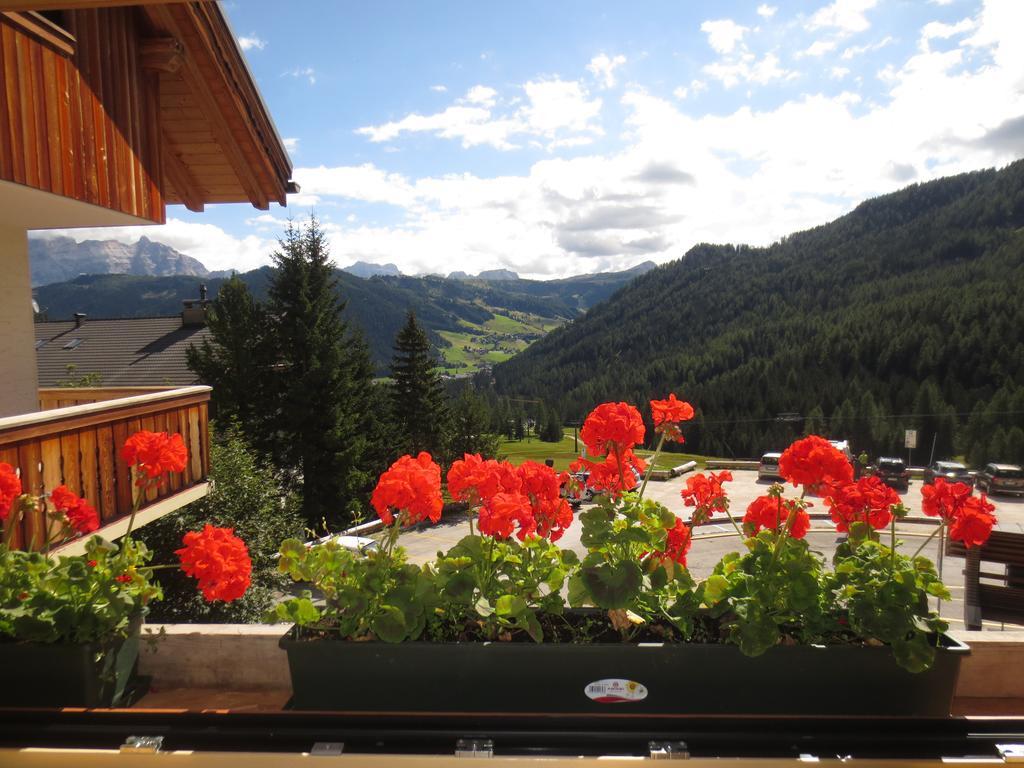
x=907, y=313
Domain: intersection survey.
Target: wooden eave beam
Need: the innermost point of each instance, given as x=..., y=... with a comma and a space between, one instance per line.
x=78, y=5
x=197, y=83
x=181, y=178
x=161, y=54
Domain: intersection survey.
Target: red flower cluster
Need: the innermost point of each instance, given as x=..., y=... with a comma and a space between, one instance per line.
x=219, y=560
x=677, y=543
x=969, y=517
x=412, y=486
x=10, y=488
x=612, y=428
x=705, y=493
x=614, y=475
x=667, y=414
x=814, y=462
x=154, y=453
x=81, y=515
x=527, y=498
x=770, y=512
x=611, y=431
x=868, y=500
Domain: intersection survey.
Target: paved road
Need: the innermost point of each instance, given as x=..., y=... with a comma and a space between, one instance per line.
x=713, y=541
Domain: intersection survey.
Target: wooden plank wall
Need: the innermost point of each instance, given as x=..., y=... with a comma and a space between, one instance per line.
x=84, y=454
x=76, y=126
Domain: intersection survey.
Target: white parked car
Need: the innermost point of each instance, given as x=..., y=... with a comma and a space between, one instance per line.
x=360, y=544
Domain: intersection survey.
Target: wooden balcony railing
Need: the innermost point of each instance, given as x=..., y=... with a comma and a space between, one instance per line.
x=76, y=440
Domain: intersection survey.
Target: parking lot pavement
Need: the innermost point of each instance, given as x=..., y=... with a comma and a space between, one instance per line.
x=712, y=541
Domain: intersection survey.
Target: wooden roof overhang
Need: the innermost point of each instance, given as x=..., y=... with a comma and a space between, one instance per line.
x=220, y=144
x=212, y=135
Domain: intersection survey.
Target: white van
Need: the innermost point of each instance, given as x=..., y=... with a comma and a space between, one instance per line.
x=768, y=469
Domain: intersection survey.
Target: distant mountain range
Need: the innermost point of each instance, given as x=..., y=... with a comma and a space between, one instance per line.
x=56, y=259
x=367, y=269
x=473, y=322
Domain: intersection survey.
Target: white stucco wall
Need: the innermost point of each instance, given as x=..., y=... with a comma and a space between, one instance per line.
x=18, y=381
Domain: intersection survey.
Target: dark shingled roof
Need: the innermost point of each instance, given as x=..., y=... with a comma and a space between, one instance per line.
x=126, y=352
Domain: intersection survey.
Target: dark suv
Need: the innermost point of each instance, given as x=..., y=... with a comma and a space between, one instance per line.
x=893, y=472
x=950, y=471
x=1001, y=478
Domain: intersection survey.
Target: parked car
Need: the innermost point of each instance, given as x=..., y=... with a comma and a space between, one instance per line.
x=768, y=469
x=359, y=544
x=893, y=472
x=951, y=471
x=576, y=490
x=1001, y=478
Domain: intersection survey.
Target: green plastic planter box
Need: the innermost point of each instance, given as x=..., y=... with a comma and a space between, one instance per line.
x=615, y=678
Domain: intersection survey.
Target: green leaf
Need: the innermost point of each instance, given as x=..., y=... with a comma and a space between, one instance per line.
x=715, y=588
x=299, y=610
x=938, y=589
x=510, y=605
x=389, y=625
x=578, y=594
x=613, y=585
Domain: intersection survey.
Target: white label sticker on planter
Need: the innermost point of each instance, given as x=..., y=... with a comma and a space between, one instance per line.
x=615, y=691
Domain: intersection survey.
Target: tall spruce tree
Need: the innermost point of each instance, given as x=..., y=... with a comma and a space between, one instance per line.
x=322, y=383
x=236, y=360
x=418, y=407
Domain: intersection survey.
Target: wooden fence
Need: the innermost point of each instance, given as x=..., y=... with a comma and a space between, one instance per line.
x=79, y=446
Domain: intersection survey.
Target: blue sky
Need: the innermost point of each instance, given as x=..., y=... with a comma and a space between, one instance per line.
x=557, y=138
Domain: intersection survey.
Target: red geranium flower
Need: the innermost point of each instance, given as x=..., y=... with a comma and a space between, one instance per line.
x=219, y=560
x=10, y=488
x=155, y=453
x=612, y=428
x=969, y=518
x=543, y=488
x=615, y=474
x=412, y=486
x=769, y=512
x=813, y=462
x=868, y=500
x=667, y=414
x=474, y=480
x=500, y=515
x=677, y=543
x=81, y=515
x=705, y=493
x=973, y=525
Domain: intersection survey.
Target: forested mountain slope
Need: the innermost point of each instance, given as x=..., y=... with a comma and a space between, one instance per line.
x=906, y=313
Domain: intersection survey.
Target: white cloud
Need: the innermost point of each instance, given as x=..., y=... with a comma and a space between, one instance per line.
x=723, y=34
x=747, y=69
x=291, y=145
x=681, y=92
x=250, y=42
x=846, y=16
x=941, y=2
x=937, y=30
x=857, y=50
x=602, y=67
x=766, y=11
x=818, y=48
x=838, y=73
x=302, y=72
x=482, y=95
x=552, y=107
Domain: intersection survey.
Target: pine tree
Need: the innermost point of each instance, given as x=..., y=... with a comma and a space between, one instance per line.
x=236, y=360
x=322, y=382
x=470, y=427
x=551, y=431
x=418, y=406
